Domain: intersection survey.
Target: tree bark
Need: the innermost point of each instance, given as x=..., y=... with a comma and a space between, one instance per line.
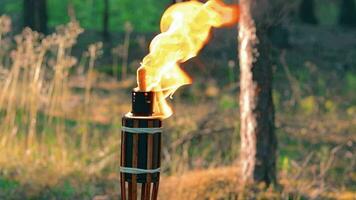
x=258, y=140
x=348, y=13
x=307, y=12
x=35, y=15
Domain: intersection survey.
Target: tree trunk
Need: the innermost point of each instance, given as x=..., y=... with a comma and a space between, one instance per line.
x=106, y=34
x=35, y=15
x=307, y=12
x=258, y=140
x=348, y=13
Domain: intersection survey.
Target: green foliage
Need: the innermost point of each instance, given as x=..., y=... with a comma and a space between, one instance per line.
x=302, y=75
x=276, y=96
x=351, y=111
x=327, y=12
x=324, y=153
x=321, y=86
x=7, y=185
x=330, y=106
x=143, y=14
x=89, y=13
x=285, y=164
x=231, y=72
x=309, y=104
x=65, y=190
x=351, y=81
x=227, y=102
x=12, y=6
x=57, y=12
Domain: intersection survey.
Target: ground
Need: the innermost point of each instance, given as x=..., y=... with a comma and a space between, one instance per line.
x=75, y=154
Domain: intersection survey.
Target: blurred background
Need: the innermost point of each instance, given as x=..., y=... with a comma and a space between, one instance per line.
x=67, y=68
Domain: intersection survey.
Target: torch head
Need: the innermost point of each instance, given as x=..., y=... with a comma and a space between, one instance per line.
x=142, y=103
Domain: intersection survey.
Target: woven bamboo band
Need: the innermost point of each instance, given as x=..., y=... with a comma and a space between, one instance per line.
x=141, y=130
x=130, y=170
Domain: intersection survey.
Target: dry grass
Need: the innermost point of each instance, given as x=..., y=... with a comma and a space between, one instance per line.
x=61, y=122
x=217, y=183
x=222, y=183
x=38, y=144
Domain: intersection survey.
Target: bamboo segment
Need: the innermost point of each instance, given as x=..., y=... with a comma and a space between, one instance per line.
x=122, y=175
x=134, y=165
x=155, y=191
x=140, y=157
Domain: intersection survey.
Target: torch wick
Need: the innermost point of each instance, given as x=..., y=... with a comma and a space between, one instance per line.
x=141, y=74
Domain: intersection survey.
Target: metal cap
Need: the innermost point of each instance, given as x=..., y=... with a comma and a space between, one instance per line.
x=142, y=103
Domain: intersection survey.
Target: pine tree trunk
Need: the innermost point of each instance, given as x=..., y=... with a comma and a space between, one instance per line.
x=307, y=12
x=258, y=140
x=35, y=15
x=348, y=13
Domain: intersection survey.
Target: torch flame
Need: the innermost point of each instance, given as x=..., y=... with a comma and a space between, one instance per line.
x=185, y=30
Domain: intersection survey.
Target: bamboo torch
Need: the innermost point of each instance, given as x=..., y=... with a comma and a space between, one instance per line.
x=185, y=29
x=140, y=147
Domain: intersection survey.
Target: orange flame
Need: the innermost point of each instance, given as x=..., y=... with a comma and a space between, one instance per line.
x=185, y=29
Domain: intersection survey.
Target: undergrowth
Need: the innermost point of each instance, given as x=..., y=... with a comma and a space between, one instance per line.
x=60, y=125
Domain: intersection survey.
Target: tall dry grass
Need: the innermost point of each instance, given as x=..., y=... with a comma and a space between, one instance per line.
x=47, y=132
x=37, y=143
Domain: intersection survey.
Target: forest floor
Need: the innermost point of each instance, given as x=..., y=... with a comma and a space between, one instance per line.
x=315, y=103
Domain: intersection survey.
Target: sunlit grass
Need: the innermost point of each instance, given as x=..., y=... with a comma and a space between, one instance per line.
x=60, y=127
x=39, y=145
